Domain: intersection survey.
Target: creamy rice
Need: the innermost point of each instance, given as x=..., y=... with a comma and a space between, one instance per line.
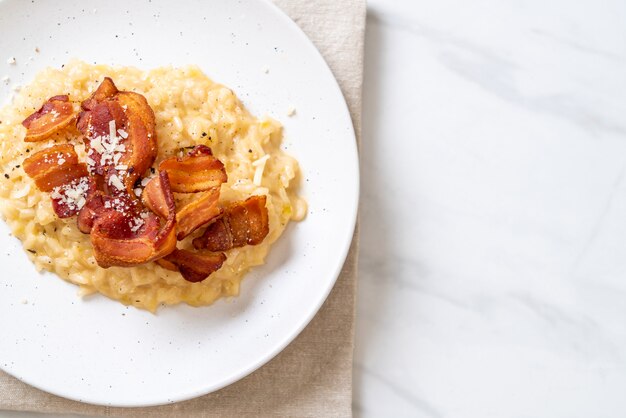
x=190, y=109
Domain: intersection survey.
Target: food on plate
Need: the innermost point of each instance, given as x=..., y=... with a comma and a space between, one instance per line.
x=151, y=188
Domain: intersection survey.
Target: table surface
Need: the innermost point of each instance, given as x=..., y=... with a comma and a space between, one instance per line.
x=492, y=276
x=493, y=251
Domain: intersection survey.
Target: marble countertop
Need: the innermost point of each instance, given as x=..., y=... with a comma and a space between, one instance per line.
x=493, y=252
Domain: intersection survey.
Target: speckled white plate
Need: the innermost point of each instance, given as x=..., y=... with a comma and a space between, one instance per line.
x=97, y=350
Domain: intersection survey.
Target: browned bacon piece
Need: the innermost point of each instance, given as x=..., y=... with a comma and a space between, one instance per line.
x=191, y=216
x=119, y=238
x=194, y=266
x=153, y=199
x=120, y=137
x=198, y=171
x=197, y=213
x=200, y=211
x=242, y=223
x=54, y=167
x=55, y=114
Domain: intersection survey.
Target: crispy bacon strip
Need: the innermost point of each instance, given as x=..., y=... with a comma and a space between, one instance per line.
x=197, y=213
x=195, y=267
x=153, y=199
x=55, y=114
x=243, y=223
x=54, y=167
x=191, y=216
x=116, y=244
x=120, y=137
x=198, y=171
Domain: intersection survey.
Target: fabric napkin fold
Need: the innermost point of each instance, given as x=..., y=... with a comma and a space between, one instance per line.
x=313, y=375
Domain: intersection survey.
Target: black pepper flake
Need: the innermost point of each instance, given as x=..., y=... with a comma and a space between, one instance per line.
x=32, y=251
x=250, y=151
x=18, y=166
x=203, y=134
x=27, y=149
x=152, y=170
x=6, y=176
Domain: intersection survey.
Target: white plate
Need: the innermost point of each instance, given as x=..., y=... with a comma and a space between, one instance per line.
x=97, y=350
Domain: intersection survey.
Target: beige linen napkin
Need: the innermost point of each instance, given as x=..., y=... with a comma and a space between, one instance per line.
x=313, y=375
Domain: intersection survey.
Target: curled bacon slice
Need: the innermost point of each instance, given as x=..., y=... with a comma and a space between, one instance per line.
x=202, y=210
x=243, y=223
x=55, y=114
x=195, y=267
x=54, y=167
x=120, y=137
x=197, y=213
x=116, y=243
x=153, y=199
x=198, y=171
x=191, y=216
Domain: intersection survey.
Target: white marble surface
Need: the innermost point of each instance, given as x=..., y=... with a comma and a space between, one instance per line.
x=493, y=254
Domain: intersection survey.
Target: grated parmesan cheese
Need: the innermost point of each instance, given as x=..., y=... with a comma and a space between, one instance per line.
x=96, y=144
x=73, y=194
x=115, y=181
x=260, y=167
x=135, y=224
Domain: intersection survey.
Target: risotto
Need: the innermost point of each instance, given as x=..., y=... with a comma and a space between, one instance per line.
x=189, y=110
